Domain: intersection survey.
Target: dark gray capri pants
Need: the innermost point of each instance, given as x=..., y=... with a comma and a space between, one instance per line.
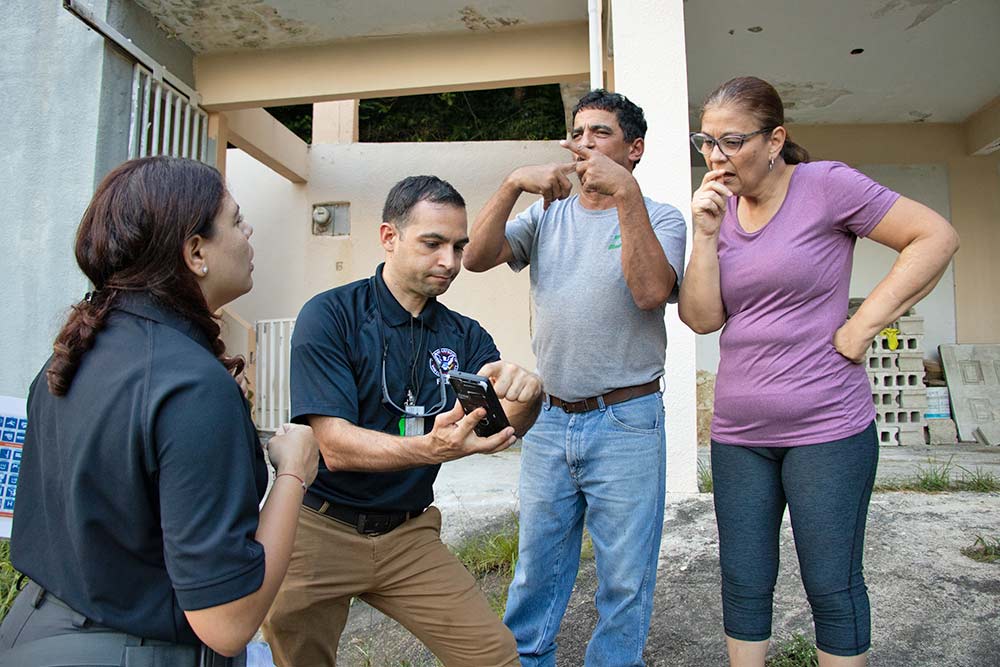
x=827, y=488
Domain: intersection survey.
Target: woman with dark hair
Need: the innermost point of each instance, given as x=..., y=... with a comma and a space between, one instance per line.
x=137, y=507
x=773, y=243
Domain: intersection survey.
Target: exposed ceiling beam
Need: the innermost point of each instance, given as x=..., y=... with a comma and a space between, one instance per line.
x=393, y=66
x=982, y=130
x=259, y=134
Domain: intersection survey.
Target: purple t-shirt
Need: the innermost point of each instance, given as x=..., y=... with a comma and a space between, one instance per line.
x=785, y=289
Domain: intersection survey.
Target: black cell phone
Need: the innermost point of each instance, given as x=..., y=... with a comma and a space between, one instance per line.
x=476, y=391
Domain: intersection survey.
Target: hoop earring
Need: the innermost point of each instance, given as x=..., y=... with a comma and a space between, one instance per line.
x=770, y=164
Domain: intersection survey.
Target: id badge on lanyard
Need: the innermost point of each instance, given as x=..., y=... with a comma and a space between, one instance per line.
x=413, y=423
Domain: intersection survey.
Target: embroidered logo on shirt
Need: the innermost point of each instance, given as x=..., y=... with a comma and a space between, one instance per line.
x=616, y=242
x=446, y=360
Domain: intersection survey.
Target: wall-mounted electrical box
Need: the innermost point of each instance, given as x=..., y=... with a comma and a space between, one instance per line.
x=331, y=219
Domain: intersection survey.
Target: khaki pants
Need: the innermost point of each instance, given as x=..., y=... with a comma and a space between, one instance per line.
x=408, y=574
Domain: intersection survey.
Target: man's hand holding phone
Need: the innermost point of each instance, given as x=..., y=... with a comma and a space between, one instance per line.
x=454, y=436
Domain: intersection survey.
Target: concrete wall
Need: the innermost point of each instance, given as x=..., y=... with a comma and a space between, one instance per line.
x=925, y=183
x=291, y=265
x=50, y=108
x=65, y=107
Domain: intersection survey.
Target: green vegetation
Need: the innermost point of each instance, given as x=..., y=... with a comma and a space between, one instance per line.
x=938, y=477
x=8, y=580
x=491, y=556
x=796, y=652
x=984, y=549
x=704, y=478
x=493, y=552
x=522, y=113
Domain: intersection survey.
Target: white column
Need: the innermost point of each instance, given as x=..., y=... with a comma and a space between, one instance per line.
x=650, y=69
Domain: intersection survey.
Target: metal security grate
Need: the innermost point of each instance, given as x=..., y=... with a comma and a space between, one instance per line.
x=164, y=120
x=274, y=348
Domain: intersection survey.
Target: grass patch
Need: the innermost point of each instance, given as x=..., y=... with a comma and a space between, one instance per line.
x=796, y=652
x=938, y=477
x=984, y=549
x=8, y=580
x=704, y=478
x=492, y=552
x=492, y=555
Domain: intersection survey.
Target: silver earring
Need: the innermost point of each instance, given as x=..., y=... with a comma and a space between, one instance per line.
x=204, y=269
x=770, y=164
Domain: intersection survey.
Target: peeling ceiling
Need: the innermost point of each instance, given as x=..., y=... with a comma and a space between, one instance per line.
x=852, y=61
x=849, y=61
x=225, y=25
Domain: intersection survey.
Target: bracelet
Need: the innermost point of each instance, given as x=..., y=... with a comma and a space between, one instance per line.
x=289, y=474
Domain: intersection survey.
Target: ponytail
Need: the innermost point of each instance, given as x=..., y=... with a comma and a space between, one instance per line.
x=76, y=337
x=792, y=153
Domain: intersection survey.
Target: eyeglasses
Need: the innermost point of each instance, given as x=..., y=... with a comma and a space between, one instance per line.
x=729, y=144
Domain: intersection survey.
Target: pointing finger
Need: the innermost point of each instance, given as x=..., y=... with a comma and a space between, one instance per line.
x=576, y=148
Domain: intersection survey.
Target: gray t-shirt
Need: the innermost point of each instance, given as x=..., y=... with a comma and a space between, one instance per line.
x=590, y=337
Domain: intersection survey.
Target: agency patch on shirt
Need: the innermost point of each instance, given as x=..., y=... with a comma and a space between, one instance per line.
x=444, y=359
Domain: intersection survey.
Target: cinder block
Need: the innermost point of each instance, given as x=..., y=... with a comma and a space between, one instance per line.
x=904, y=343
x=888, y=436
x=988, y=433
x=941, y=432
x=910, y=361
x=910, y=399
x=898, y=380
x=910, y=324
x=885, y=399
x=901, y=418
x=883, y=363
x=912, y=438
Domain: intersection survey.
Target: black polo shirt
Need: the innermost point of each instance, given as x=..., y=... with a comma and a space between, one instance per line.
x=336, y=371
x=139, y=488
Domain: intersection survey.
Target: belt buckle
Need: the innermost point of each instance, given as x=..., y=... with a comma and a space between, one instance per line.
x=373, y=525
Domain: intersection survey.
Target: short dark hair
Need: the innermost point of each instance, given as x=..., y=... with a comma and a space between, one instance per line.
x=629, y=114
x=414, y=189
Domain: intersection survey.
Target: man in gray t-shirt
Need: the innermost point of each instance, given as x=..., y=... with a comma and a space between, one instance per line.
x=603, y=265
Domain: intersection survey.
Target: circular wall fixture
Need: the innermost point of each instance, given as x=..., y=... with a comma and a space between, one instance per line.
x=855, y=52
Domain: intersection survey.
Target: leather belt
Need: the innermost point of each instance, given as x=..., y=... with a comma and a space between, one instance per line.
x=611, y=398
x=366, y=523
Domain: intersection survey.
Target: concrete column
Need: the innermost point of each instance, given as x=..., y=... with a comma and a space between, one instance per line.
x=335, y=122
x=218, y=139
x=649, y=66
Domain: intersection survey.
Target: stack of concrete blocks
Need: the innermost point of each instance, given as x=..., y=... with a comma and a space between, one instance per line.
x=897, y=380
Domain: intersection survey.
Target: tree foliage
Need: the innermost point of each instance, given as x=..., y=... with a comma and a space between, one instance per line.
x=524, y=113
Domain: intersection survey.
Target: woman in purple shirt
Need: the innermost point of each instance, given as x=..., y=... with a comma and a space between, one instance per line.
x=773, y=244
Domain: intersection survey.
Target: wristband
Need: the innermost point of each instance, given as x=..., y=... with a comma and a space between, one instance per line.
x=289, y=474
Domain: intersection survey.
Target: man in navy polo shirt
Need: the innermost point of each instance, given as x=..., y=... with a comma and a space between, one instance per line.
x=367, y=360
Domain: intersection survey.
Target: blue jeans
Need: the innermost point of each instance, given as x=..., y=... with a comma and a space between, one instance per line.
x=827, y=488
x=607, y=465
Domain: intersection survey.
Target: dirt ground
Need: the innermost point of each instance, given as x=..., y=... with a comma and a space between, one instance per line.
x=931, y=605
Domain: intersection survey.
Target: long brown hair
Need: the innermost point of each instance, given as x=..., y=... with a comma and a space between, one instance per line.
x=758, y=98
x=131, y=239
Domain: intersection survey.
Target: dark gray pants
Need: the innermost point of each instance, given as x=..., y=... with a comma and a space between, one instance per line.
x=42, y=631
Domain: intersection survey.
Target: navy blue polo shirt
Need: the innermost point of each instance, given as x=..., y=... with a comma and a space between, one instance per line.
x=139, y=488
x=336, y=371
